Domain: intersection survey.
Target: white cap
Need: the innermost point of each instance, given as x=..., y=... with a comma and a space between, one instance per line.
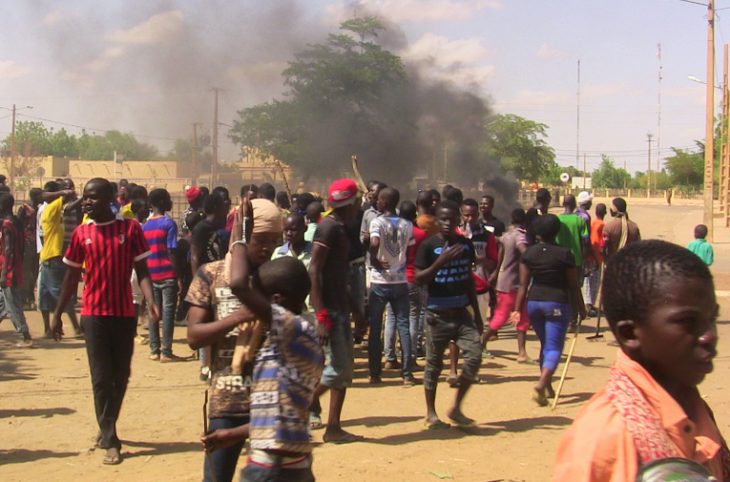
x=584, y=197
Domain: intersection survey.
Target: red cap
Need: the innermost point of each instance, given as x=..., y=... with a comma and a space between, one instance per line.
x=193, y=193
x=342, y=192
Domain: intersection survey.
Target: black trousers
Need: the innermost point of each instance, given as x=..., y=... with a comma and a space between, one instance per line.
x=109, y=347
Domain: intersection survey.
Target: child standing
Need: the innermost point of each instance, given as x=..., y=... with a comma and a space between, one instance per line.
x=655, y=295
x=701, y=247
x=287, y=369
x=161, y=234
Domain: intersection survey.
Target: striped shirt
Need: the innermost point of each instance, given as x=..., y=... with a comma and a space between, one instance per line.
x=109, y=251
x=161, y=235
x=12, y=263
x=288, y=367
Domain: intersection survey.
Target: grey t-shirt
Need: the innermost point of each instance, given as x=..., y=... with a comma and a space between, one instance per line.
x=509, y=273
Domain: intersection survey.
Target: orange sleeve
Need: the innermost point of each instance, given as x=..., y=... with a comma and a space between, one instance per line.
x=597, y=447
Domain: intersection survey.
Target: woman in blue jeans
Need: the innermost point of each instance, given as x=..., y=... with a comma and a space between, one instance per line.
x=554, y=295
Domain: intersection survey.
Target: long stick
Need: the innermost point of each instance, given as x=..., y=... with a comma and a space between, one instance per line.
x=565, y=368
x=358, y=177
x=283, y=176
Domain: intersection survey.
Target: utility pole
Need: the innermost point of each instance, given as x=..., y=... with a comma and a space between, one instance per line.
x=577, y=121
x=659, y=116
x=725, y=150
x=648, y=166
x=214, y=163
x=13, y=153
x=710, y=123
x=584, y=170
x=194, y=156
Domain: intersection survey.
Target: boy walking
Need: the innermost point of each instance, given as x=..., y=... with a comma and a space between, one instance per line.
x=701, y=247
x=444, y=263
x=161, y=234
x=109, y=248
x=11, y=274
x=390, y=236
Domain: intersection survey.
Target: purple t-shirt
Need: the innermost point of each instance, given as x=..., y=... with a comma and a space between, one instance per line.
x=509, y=273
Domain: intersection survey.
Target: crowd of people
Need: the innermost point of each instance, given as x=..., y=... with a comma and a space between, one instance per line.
x=276, y=292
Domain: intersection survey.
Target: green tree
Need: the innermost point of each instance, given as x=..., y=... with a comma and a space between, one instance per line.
x=686, y=168
x=102, y=147
x=521, y=147
x=609, y=176
x=31, y=139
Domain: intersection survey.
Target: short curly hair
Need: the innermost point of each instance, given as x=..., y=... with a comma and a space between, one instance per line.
x=635, y=275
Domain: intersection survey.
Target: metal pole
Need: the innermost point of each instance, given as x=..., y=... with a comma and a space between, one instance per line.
x=648, y=168
x=214, y=164
x=724, y=168
x=195, y=153
x=710, y=123
x=577, y=121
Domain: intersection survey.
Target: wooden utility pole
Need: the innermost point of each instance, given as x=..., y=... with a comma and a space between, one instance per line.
x=194, y=157
x=648, y=164
x=214, y=163
x=13, y=153
x=710, y=123
x=725, y=150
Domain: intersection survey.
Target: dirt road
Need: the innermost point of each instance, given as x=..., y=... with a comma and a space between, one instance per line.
x=47, y=423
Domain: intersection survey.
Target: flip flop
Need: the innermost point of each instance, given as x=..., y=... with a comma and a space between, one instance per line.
x=527, y=361
x=315, y=421
x=112, y=457
x=437, y=425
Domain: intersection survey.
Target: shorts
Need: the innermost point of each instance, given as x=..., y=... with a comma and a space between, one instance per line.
x=50, y=283
x=339, y=352
x=505, y=307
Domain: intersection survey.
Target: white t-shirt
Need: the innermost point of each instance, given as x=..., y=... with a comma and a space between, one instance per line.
x=395, y=234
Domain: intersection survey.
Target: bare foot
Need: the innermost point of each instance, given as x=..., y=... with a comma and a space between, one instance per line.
x=549, y=391
x=539, y=397
x=339, y=436
x=112, y=456
x=459, y=418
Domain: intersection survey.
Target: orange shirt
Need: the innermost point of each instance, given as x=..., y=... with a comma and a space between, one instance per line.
x=597, y=238
x=598, y=446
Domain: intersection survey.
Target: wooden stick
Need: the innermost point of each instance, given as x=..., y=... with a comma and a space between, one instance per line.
x=358, y=177
x=565, y=368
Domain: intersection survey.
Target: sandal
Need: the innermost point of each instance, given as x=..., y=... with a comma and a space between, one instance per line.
x=112, y=456
x=540, y=398
x=315, y=421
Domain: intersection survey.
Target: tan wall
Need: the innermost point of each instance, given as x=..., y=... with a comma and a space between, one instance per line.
x=127, y=169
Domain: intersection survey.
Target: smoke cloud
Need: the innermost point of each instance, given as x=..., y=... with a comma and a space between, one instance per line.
x=149, y=66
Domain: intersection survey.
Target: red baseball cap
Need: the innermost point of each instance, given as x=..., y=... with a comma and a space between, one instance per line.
x=193, y=193
x=342, y=192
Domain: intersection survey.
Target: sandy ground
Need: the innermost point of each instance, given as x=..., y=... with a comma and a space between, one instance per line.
x=47, y=423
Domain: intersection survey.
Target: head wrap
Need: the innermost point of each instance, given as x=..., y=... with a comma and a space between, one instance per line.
x=266, y=217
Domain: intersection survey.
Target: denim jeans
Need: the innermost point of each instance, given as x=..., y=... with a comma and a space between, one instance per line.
x=417, y=296
x=397, y=296
x=165, y=294
x=223, y=461
x=13, y=296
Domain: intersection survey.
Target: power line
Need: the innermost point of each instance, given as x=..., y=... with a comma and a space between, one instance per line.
x=696, y=3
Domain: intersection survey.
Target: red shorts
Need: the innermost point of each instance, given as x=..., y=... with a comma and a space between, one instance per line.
x=505, y=307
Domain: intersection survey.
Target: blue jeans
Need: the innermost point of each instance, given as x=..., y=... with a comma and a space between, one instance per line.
x=550, y=321
x=165, y=294
x=13, y=296
x=223, y=461
x=417, y=296
x=397, y=296
x=256, y=473
x=339, y=352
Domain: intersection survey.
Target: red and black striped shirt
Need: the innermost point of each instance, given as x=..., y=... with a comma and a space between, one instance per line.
x=108, y=251
x=11, y=260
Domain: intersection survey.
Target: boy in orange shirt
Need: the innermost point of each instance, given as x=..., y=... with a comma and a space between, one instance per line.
x=655, y=295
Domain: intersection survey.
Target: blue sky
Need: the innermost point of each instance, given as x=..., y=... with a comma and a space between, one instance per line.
x=107, y=65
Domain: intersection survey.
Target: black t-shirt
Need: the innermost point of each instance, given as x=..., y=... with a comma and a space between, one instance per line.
x=549, y=265
x=332, y=234
x=357, y=250
x=206, y=237
x=494, y=226
x=450, y=287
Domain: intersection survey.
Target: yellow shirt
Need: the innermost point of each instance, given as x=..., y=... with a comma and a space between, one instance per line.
x=126, y=211
x=53, y=230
